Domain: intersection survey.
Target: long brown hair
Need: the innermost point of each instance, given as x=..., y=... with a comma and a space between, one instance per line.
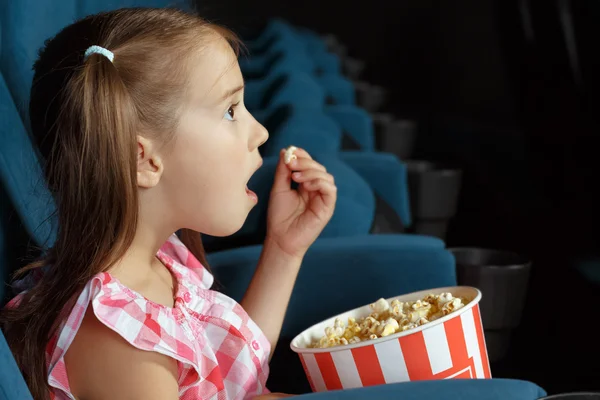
x=85, y=115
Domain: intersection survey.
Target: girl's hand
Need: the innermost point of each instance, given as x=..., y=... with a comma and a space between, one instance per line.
x=297, y=217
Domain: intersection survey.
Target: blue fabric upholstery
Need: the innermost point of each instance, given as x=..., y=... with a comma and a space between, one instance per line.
x=4, y=266
x=298, y=117
x=312, y=140
x=356, y=122
x=312, y=130
x=298, y=90
x=287, y=64
x=391, y=253
x=386, y=175
x=481, y=389
x=20, y=43
x=314, y=43
x=275, y=28
x=290, y=49
x=280, y=37
x=271, y=65
x=285, y=41
x=337, y=88
x=21, y=175
x=340, y=89
x=12, y=384
x=327, y=63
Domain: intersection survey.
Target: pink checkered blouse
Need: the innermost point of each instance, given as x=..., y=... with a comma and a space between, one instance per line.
x=221, y=353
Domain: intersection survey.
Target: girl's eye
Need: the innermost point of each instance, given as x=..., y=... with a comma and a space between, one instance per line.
x=230, y=113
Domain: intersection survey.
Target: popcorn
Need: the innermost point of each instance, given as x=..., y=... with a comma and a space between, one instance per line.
x=334, y=332
x=289, y=154
x=390, y=327
x=380, y=306
x=389, y=318
x=452, y=305
x=397, y=309
x=419, y=309
x=444, y=298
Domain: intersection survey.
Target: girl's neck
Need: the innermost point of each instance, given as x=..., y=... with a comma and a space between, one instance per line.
x=140, y=257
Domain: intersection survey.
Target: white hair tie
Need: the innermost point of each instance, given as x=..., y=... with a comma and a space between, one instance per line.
x=99, y=50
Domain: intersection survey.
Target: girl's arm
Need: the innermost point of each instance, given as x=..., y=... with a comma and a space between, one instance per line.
x=102, y=365
x=268, y=295
x=294, y=221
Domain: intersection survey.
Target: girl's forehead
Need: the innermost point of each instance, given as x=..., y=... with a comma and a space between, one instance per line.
x=216, y=72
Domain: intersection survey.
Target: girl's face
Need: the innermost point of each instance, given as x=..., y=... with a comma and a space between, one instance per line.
x=215, y=149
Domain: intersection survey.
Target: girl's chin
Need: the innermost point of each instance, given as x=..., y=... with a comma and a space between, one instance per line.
x=232, y=224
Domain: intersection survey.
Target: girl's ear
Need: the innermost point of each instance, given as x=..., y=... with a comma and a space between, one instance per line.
x=149, y=163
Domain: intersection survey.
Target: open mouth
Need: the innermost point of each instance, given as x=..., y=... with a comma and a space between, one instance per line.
x=249, y=192
x=251, y=195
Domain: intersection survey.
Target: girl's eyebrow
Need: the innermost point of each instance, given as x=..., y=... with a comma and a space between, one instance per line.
x=231, y=92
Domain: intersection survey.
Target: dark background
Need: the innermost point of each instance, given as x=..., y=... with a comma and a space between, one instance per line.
x=495, y=91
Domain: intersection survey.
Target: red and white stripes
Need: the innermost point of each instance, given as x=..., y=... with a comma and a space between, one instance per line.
x=454, y=349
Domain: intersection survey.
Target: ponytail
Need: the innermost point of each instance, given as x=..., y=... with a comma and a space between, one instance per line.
x=94, y=177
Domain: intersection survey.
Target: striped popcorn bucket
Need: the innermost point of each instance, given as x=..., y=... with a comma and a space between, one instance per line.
x=452, y=347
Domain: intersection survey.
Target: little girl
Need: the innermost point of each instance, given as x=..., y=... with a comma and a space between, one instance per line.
x=139, y=118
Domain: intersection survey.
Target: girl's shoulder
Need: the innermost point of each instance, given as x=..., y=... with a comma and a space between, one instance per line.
x=144, y=324
x=99, y=355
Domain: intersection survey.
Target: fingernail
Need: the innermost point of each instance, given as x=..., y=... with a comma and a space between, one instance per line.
x=294, y=162
x=297, y=174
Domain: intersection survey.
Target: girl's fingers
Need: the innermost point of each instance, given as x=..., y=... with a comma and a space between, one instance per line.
x=312, y=174
x=327, y=190
x=302, y=164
